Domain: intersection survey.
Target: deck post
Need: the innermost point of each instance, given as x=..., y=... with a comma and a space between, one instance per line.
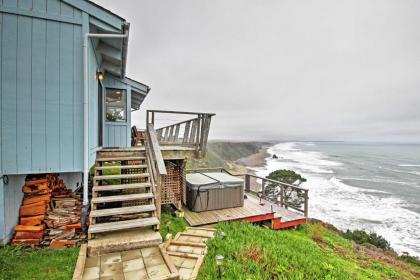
x=262, y=187
x=281, y=195
x=247, y=183
x=305, y=207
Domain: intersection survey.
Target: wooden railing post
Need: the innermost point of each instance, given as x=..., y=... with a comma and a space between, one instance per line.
x=305, y=206
x=247, y=183
x=282, y=200
x=262, y=187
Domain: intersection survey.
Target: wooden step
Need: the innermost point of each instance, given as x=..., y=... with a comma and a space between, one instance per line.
x=111, y=167
x=117, y=198
x=122, y=210
x=121, y=176
x=122, y=158
x=118, y=241
x=121, y=187
x=121, y=225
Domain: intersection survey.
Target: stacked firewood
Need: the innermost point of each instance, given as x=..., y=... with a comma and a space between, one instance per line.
x=49, y=215
x=63, y=220
x=37, y=196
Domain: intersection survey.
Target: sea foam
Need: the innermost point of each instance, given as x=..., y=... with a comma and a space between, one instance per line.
x=343, y=205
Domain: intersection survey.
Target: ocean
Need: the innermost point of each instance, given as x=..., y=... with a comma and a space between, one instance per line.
x=370, y=186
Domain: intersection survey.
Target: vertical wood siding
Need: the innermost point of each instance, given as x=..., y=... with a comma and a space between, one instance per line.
x=41, y=120
x=12, y=199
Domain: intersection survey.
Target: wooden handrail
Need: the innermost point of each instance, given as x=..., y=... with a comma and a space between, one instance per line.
x=283, y=186
x=155, y=164
x=180, y=112
x=155, y=149
x=195, y=131
x=179, y=123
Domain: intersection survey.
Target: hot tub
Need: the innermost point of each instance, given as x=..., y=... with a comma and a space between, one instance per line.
x=213, y=190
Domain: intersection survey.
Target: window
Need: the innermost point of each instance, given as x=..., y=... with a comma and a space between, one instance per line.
x=116, y=105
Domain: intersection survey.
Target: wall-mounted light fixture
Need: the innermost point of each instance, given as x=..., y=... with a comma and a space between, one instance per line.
x=99, y=75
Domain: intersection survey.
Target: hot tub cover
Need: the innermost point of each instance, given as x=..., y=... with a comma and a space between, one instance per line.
x=226, y=179
x=212, y=180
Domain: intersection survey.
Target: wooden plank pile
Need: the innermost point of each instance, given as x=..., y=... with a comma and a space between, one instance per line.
x=49, y=215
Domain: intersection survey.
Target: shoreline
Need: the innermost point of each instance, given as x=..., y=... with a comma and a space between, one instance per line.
x=259, y=160
x=255, y=160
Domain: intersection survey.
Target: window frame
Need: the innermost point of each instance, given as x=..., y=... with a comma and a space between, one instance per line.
x=116, y=122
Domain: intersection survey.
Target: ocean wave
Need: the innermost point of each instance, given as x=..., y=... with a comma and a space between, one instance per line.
x=379, y=180
x=337, y=201
x=349, y=207
x=311, y=161
x=409, y=165
x=417, y=173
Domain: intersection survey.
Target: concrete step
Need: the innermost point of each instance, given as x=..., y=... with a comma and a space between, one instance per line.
x=112, y=167
x=119, y=158
x=118, y=241
x=121, y=176
x=121, y=187
x=122, y=225
x=118, y=198
x=122, y=210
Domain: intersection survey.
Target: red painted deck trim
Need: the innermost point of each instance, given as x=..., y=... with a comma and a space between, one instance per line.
x=258, y=218
x=277, y=224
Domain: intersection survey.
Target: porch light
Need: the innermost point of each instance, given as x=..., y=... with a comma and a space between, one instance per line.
x=219, y=260
x=99, y=75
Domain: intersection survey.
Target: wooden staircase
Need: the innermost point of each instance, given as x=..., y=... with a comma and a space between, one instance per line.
x=123, y=195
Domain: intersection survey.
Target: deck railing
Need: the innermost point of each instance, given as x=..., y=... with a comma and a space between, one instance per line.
x=283, y=194
x=156, y=165
x=191, y=133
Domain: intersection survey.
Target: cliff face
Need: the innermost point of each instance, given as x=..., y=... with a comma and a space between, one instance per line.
x=226, y=154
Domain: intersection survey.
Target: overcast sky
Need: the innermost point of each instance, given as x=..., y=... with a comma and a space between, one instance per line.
x=301, y=70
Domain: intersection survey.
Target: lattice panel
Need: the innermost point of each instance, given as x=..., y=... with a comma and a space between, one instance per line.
x=173, y=182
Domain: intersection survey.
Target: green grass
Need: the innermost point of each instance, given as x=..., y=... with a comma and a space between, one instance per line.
x=252, y=252
x=176, y=225
x=19, y=263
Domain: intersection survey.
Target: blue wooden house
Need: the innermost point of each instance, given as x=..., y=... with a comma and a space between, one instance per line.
x=66, y=106
x=64, y=93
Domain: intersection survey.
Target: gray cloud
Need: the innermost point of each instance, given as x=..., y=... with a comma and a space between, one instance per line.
x=325, y=69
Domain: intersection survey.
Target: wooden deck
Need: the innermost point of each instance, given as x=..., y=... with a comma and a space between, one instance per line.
x=252, y=211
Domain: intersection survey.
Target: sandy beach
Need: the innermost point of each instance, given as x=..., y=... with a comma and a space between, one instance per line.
x=255, y=160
